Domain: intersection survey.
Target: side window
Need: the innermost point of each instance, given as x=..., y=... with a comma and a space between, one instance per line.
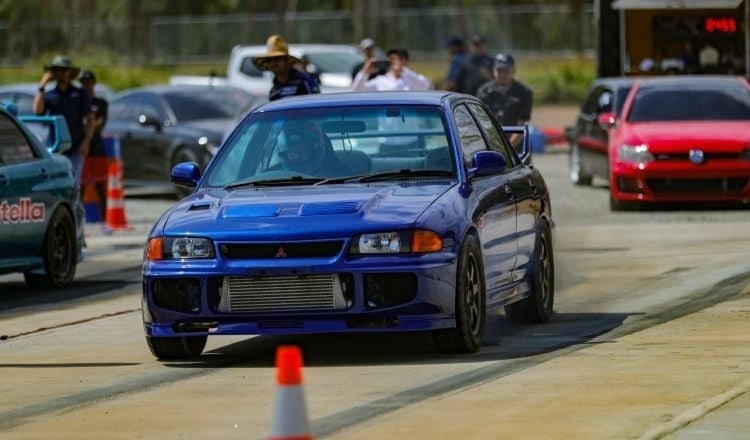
x=14, y=147
x=494, y=138
x=123, y=110
x=589, y=105
x=248, y=68
x=604, y=102
x=469, y=133
x=150, y=106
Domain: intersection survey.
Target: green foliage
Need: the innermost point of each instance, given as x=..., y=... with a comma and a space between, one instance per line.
x=557, y=81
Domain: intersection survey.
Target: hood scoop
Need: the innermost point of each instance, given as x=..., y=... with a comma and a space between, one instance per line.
x=200, y=207
x=329, y=208
x=289, y=210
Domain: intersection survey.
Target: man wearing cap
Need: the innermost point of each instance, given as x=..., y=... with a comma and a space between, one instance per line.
x=287, y=80
x=371, y=52
x=476, y=68
x=510, y=100
x=71, y=102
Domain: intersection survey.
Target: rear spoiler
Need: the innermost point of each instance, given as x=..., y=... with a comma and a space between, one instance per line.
x=51, y=130
x=524, y=147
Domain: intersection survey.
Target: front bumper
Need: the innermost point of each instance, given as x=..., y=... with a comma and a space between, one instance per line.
x=717, y=182
x=391, y=293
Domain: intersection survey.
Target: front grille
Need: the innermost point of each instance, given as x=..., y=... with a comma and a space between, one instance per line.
x=284, y=294
x=683, y=157
x=713, y=186
x=321, y=249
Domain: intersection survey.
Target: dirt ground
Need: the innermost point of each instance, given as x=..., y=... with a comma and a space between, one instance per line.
x=558, y=116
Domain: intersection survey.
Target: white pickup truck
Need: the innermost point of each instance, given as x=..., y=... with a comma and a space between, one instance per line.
x=333, y=63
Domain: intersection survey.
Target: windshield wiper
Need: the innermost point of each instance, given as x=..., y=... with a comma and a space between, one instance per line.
x=405, y=174
x=294, y=180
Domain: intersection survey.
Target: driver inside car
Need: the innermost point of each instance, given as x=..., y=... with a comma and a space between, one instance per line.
x=304, y=148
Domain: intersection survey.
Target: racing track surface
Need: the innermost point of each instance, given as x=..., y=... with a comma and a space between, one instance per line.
x=651, y=322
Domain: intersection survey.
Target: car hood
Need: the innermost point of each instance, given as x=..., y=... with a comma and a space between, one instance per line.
x=332, y=211
x=714, y=136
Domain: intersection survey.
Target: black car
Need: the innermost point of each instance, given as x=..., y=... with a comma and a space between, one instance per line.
x=589, y=138
x=160, y=126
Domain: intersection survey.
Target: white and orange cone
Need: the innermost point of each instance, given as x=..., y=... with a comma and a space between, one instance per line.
x=115, y=215
x=289, y=410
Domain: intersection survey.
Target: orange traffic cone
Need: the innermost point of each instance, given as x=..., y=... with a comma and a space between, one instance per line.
x=289, y=410
x=115, y=199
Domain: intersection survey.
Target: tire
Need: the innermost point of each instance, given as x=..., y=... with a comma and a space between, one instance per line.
x=538, y=307
x=187, y=347
x=58, y=252
x=577, y=176
x=471, y=313
x=183, y=154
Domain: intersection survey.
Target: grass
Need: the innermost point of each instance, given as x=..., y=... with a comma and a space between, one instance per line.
x=554, y=80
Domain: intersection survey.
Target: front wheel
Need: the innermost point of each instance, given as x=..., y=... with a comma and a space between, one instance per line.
x=537, y=308
x=186, y=347
x=471, y=313
x=58, y=253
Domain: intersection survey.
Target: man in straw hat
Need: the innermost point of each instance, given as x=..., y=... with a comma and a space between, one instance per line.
x=287, y=81
x=71, y=102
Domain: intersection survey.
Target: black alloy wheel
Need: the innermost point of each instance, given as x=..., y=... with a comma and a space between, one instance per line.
x=185, y=347
x=58, y=253
x=538, y=307
x=471, y=313
x=577, y=176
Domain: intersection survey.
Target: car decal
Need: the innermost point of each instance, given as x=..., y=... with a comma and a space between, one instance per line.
x=22, y=212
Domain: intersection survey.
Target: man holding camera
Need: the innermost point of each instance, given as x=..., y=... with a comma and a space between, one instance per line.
x=72, y=103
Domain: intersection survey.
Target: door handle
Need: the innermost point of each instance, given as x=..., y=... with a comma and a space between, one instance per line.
x=43, y=173
x=532, y=185
x=509, y=191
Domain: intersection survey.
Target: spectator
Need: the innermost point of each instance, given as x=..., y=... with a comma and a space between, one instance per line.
x=457, y=52
x=398, y=77
x=287, y=80
x=71, y=102
x=509, y=99
x=476, y=68
x=369, y=50
x=96, y=164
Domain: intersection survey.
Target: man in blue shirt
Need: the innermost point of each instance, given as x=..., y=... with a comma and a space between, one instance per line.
x=71, y=102
x=457, y=52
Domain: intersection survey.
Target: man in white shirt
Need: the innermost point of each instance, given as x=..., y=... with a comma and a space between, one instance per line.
x=398, y=77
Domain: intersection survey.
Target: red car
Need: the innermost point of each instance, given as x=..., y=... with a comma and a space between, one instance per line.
x=681, y=139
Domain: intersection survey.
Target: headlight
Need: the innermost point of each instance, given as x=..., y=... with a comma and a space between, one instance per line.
x=161, y=248
x=634, y=153
x=418, y=241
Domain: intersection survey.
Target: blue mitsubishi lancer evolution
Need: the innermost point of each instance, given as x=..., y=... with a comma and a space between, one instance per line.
x=41, y=215
x=353, y=212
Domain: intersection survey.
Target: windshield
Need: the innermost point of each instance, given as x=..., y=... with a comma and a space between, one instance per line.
x=334, y=142
x=211, y=103
x=334, y=62
x=691, y=103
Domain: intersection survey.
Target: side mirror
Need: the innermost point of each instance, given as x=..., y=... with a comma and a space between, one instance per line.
x=51, y=130
x=606, y=120
x=150, y=121
x=487, y=163
x=523, y=146
x=186, y=174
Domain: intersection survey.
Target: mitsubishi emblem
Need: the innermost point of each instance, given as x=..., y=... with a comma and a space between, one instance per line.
x=280, y=253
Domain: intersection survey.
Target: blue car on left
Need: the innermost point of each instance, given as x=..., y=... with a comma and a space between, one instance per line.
x=41, y=213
